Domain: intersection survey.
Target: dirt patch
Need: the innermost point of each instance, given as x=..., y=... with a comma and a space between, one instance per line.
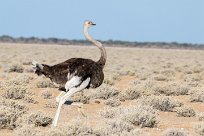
x=124, y=82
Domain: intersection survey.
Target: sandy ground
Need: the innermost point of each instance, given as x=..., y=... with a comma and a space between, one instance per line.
x=11, y=53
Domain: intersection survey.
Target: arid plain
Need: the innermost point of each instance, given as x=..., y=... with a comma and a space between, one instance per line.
x=145, y=92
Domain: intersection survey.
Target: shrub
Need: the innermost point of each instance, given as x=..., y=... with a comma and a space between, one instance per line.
x=112, y=102
x=132, y=93
x=185, y=112
x=26, y=130
x=117, y=127
x=81, y=97
x=46, y=94
x=142, y=115
x=16, y=68
x=197, y=69
x=43, y=82
x=197, y=96
x=199, y=128
x=16, y=88
x=108, y=81
x=30, y=99
x=104, y=92
x=171, y=89
x=51, y=104
x=10, y=111
x=109, y=112
x=161, y=78
x=175, y=132
x=26, y=62
x=193, y=78
x=15, y=92
x=22, y=79
x=38, y=119
x=29, y=70
x=201, y=116
x=72, y=129
x=168, y=72
x=162, y=103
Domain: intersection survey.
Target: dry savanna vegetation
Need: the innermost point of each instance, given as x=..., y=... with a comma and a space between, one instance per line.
x=155, y=92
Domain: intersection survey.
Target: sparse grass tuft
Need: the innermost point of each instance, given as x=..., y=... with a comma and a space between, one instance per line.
x=116, y=127
x=51, y=104
x=104, y=92
x=10, y=111
x=175, y=132
x=16, y=88
x=109, y=112
x=38, y=119
x=16, y=68
x=72, y=129
x=168, y=72
x=46, y=94
x=30, y=99
x=171, y=89
x=14, y=92
x=162, y=103
x=26, y=130
x=43, y=82
x=81, y=97
x=197, y=69
x=185, y=112
x=113, y=102
x=199, y=128
x=161, y=78
x=201, y=116
x=142, y=115
x=197, y=96
x=132, y=93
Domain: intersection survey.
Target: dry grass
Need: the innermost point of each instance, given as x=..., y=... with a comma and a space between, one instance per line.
x=175, y=132
x=10, y=111
x=109, y=112
x=43, y=82
x=51, y=104
x=37, y=119
x=160, y=80
x=199, y=128
x=112, y=102
x=73, y=129
x=185, y=111
x=46, y=94
x=30, y=99
x=162, y=103
x=201, y=116
x=26, y=130
x=16, y=88
x=132, y=93
x=143, y=116
x=171, y=89
x=197, y=96
x=117, y=128
x=81, y=97
x=16, y=68
x=104, y=92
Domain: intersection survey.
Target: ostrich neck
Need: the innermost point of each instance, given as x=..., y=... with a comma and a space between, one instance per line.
x=102, y=60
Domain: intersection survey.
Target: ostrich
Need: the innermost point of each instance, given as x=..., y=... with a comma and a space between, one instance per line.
x=75, y=74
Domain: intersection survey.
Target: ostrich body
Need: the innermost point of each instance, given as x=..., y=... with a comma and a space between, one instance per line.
x=75, y=74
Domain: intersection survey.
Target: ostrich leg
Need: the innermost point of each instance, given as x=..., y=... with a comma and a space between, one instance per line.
x=72, y=91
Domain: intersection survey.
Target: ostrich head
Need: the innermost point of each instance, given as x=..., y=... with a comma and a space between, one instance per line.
x=40, y=69
x=88, y=24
